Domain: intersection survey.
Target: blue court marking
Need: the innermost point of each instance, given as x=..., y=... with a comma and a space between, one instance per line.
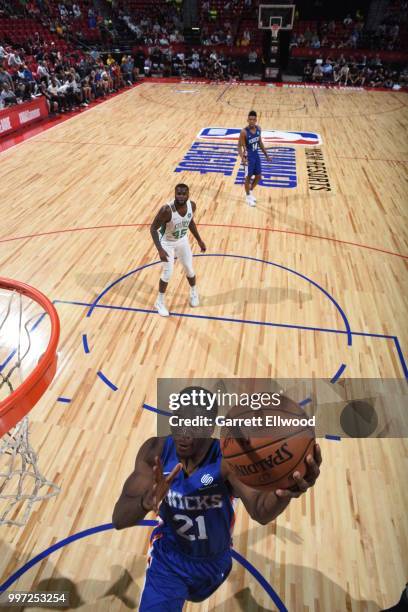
x=64, y=400
x=251, y=322
x=338, y=373
x=245, y=257
x=330, y=437
x=85, y=343
x=265, y=261
x=401, y=356
x=143, y=523
x=258, y=576
x=305, y=401
x=118, y=280
x=48, y=551
x=107, y=381
x=156, y=410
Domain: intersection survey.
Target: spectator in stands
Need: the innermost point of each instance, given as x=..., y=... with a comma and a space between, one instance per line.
x=308, y=37
x=348, y=20
x=5, y=78
x=318, y=73
x=341, y=72
x=307, y=72
x=7, y=95
x=246, y=38
x=55, y=95
x=354, y=75
x=234, y=71
x=126, y=71
x=301, y=40
x=327, y=69
x=42, y=72
x=52, y=102
x=26, y=76
x=315, y=42
x=77, y=11
x=148, y=67
x=377, y=78
x=20, y=90
x=403, y=78
x=72, y=92
x=195, y=67
x=388, y=80
x=14, y=60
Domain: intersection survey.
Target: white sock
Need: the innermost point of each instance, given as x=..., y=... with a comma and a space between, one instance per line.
x=160, y=298
x=193, y=290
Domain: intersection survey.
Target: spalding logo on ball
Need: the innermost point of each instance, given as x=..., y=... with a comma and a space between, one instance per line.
x=267, y=458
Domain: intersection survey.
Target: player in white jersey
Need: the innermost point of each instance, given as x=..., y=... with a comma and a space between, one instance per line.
x=169, y=232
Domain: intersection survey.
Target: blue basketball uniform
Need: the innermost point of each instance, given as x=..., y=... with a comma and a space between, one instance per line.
x=252, y=147
x=190, y=554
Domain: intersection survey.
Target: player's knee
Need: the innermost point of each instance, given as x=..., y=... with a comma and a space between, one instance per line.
x=190, y=272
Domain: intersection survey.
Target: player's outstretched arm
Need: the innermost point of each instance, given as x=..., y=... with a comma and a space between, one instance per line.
x=130, y=506
x=265, y=506
x=145, y=488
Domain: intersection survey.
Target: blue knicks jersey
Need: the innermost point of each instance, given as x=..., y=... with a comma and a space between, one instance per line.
x=197, y=514
x=252, y=142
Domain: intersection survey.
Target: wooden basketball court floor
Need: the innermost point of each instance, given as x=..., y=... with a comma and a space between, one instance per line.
x=76, y=205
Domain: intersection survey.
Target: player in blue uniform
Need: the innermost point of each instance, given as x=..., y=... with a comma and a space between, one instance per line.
x=249, y=143
x=185, y=480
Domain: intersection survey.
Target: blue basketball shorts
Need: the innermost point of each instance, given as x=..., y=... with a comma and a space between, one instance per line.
x=254, y=166
x=172, y=578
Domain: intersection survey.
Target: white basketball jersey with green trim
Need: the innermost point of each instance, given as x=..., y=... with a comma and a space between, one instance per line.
x=178, y=226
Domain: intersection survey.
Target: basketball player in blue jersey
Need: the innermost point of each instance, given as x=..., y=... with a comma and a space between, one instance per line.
x=169, y=232
x=249, y=143
x=184, y=479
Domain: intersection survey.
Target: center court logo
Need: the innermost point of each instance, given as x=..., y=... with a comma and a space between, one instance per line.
x=216, y=152
x=268, y=136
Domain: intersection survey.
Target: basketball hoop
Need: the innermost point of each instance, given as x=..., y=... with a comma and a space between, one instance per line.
x=29, y=334
x=275, y=27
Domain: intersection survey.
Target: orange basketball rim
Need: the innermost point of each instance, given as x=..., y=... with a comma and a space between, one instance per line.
x=22, y=399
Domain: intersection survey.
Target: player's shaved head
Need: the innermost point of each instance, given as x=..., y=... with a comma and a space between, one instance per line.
x=182, y=186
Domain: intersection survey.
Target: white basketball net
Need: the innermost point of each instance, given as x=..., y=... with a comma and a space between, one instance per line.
x=275, y=31
x=21, y=482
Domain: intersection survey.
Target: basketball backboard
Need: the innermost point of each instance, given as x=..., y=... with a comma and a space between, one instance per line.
x=280, y=14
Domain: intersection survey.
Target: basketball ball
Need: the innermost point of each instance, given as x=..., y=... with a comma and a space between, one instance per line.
x=265, y=458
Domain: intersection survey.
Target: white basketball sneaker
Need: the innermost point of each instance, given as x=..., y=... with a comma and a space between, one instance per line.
x=250, y=201
x=194, y=299
x=251, y=193
x=161, y=308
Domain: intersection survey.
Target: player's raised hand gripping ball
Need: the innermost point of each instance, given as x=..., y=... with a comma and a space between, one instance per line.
x=265, y=456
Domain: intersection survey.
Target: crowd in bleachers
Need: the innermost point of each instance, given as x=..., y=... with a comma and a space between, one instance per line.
x=352, y=33
x=212, y=65
x=39, y=50
x=327, y=39
x=355, y=72
x=67, y=81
